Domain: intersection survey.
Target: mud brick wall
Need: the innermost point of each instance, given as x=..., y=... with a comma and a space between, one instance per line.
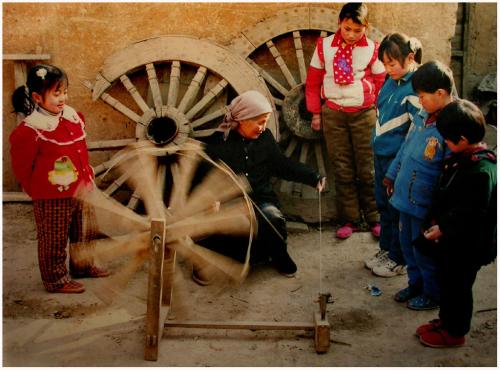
x=80, y=36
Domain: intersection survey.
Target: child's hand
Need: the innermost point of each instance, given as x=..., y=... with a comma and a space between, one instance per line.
x=389, y=186
x=321, y=184
x=316, y=121
x=433, y=233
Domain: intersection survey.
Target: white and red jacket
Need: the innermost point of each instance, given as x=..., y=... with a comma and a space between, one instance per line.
x=368, y=71
x=49, y=154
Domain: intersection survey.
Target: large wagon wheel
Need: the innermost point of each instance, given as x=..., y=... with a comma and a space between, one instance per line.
x=280, y=49
x=166, y=89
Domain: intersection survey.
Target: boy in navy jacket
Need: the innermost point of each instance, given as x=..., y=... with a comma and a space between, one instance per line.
x=411, y=180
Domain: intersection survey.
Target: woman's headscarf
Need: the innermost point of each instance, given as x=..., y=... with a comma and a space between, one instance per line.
x=247, y=105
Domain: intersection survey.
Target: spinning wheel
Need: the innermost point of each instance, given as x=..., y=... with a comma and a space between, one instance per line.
x=280, y=49
x=217, y=205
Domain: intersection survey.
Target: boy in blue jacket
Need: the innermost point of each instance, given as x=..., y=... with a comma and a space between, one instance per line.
x=411, y=179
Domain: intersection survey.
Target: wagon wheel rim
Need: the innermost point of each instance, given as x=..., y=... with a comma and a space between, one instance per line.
x=286, y=42
x=171, y=88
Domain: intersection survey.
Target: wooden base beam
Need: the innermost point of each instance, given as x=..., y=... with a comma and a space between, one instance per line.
x=250, y=325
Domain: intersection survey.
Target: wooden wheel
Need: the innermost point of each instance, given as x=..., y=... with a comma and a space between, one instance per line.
x=280, y=49
x=217, y=205
x=165, y=90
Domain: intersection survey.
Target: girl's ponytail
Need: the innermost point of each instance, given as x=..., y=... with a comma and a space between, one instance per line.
x=415, y=46
x=22, y=102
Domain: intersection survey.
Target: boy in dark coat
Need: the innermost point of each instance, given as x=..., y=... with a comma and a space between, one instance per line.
x=461, y=227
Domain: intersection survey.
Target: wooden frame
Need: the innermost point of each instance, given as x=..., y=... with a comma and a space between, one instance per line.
x=160, y=287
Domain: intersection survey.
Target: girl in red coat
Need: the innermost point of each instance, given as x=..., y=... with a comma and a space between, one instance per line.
x=50, y=160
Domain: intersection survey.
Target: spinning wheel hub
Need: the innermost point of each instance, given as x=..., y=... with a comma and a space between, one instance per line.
x=296, y=116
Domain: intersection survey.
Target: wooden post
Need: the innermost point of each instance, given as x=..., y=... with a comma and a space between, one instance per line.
x=154, y=329
x=321, y=333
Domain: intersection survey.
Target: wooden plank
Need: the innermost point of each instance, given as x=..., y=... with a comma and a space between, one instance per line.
x=156, y=255
x=15, y=196
x=239, y=325
x=26, y=56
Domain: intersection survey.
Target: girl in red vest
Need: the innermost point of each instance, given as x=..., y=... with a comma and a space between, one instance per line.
x=50, y=160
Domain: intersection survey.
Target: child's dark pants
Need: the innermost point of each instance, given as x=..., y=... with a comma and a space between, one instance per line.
x=457, y=275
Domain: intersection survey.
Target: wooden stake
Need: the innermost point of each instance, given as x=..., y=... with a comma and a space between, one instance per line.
x=154, y=329
x=321, y=333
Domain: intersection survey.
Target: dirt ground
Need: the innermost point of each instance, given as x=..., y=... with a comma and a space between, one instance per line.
x=42, y=329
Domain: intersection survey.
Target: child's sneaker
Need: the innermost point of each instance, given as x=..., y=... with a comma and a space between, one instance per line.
x=378, y=259
x=375, y=229
x=405, y=294
x=346, y=231
x=431, y=325
x=440, y=338
x=389, y=269
x=422, y=303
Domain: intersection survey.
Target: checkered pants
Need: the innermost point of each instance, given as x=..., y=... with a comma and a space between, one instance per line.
x=57, y=221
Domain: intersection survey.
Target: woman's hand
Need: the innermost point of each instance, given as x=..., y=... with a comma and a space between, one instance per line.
x=316, y=121
x=321, y=184
x=389, y=186
x=433, y=233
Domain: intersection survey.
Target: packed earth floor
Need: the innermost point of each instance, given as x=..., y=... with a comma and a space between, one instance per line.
x=43, y=329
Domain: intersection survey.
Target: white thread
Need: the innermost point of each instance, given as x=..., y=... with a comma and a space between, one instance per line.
x=320, y=240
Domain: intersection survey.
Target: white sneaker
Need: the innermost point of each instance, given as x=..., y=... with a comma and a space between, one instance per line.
x=379, y=259
x=389, y=269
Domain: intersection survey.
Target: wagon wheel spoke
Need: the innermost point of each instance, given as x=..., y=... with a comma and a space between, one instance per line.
x=300, y=56
x=208, y=99
x=120, y=107
x=134, y=93
x=175, y=80
x=281, y=63
x=193, y=89
x=155, y=87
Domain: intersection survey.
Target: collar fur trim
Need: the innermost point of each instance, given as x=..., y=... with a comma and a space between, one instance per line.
x=45, y=122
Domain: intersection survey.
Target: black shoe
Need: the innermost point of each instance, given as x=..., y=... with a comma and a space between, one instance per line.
x=285, y=265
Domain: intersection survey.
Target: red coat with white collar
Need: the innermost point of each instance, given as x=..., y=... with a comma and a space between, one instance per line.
x=368, y=71
x=49, y=154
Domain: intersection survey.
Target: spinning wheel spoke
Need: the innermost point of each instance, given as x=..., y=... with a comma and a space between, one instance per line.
x=201, y=257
